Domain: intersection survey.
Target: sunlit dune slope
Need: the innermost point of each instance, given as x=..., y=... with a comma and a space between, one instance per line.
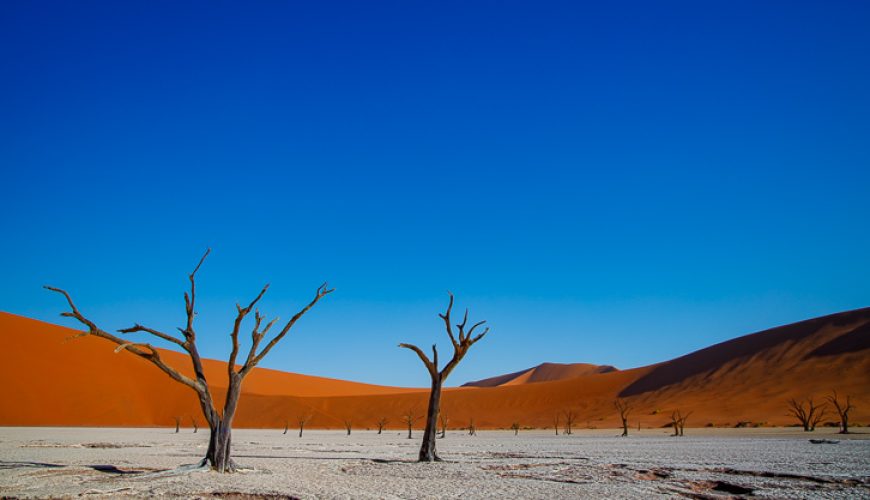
x=545, y=372
x=748, y=379
x=52, y=379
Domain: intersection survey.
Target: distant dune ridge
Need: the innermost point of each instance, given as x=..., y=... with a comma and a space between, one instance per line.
x=545, y=372
x=49, y=380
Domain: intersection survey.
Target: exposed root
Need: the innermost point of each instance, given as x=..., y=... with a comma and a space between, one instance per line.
x=200, y=466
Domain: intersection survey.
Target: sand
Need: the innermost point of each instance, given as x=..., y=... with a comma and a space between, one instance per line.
x=54, y=462
x=749, y=379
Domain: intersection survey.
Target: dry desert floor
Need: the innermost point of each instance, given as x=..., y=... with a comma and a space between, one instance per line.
x=706, y=463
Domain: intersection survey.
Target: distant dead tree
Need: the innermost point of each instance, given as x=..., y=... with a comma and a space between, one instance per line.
x=302, y=420
x=624, y=410
x=807, y=413
x=286, y=426
x=195, y=425
x=843, y=408
x=410, y=419
x=382, y=424
x=220, y=423
x=472, y=431
x=442, y=418
x=460, y=348
x=348, y=426
x=678, y=420
x=516, y=428
x=177, y=424
x=556, y=422
x=570, y=416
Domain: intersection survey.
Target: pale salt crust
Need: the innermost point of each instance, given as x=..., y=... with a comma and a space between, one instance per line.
x=707, y=463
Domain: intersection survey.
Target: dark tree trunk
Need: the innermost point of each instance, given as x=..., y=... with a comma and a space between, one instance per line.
x=220, y=439
x=286, y=426
x=427, y=450
x=624, y=428
x=844, y=424
x=301, y=428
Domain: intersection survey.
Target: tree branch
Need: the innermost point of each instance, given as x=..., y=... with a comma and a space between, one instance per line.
x=322, y=291
x=429, y=366
x=165, y=336
x=153, y=356
x=234, y=335
x=446, y=318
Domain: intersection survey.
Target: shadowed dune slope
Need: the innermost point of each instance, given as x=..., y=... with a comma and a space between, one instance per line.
x=545, y=372
x=50, y=381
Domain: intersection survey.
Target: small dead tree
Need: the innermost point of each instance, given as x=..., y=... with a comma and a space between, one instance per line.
x=807, y=413
x=556, y=422
x=348, y=426
x=472, y=431
x=302, y=420
x=442, y=418
x=220, y=423
x=195, y=425
x=516, y=428
x=843, y=408
x=382, y=424
x=410, y=419
x=678, y=420
x=624, y=410
x=177, y=424
x=460, y=348
x=286, y=426
x=570, y=416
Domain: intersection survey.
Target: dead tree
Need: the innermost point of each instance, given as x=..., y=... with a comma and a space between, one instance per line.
x=624, y=410
x=807, y=413
x=442, y=418
x=678, y=420
x=516, y=428
x=286, y=426
x=303, y=419
x=382, y=423
x=556, y=422
x=177, y=424
x=460, y=348
x=348, y=426
x=472, y=431
x=195, y=425
x=569, y=421
x=410, y=419
x=220, y=423
x=843, y=408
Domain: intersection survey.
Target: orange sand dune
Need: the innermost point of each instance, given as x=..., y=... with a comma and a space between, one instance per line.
x=545, y=372
x=82, y=382
x=54, y=380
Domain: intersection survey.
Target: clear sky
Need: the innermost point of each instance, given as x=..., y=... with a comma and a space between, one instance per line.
x=609, y=182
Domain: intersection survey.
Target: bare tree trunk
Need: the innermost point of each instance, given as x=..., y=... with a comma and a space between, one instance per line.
x=177, y=424
x=220, y=440
x=286, y=426
x=427, y=450
x=301, y=428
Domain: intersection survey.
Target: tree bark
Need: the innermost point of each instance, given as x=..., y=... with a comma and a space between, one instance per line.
x=427, y=450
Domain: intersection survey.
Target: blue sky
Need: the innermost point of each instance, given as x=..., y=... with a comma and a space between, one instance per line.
x=618, y=183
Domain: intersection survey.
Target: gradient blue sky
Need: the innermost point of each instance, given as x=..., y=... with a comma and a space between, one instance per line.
x=618, y=183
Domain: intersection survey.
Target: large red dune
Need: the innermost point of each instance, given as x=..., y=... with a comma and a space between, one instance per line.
x=50, y=380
